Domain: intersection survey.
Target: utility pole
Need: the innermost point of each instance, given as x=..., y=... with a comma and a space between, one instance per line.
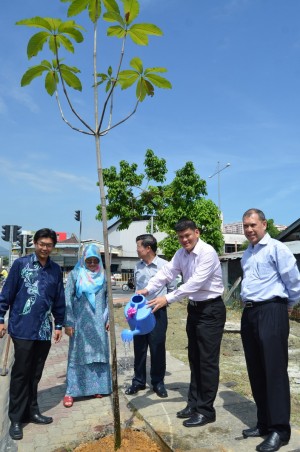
x=219, y=189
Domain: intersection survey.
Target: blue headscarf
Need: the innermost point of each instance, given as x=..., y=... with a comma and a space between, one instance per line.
x=89, y=283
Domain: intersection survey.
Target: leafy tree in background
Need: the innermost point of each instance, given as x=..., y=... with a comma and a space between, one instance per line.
x=271, y=229
x=58, y=37
x=132, y=195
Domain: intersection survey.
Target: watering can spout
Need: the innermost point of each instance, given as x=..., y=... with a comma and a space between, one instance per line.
x=127, y=335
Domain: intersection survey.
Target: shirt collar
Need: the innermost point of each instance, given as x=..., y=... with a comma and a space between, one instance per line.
x=264, y=241
x=196, y=250
x=154, y=262
x=34, y=259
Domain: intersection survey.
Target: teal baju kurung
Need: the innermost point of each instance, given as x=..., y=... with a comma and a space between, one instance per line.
x=88, y=370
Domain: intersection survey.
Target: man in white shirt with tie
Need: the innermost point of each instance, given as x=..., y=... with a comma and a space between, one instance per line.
x=202, y=284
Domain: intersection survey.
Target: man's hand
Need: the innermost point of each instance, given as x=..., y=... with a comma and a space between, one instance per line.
x=57, y=336
x=142, y=292
x=290, y=309
x=157, y=303
x=107, y=326
x=69, y=330
x=2, y=330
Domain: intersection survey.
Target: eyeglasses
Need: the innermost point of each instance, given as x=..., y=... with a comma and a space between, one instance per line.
x=45, y=245
x=92, y=261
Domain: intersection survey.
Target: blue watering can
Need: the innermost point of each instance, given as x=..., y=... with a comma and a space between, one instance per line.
x=139, y=317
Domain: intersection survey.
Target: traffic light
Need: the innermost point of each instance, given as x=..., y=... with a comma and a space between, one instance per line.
x=16, y=233
x=6, y=233
x=29, y=241
x=21, y=242
x=77, y=215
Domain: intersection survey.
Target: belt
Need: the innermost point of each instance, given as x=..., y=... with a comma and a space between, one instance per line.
x=254, y=304
x=196, y=303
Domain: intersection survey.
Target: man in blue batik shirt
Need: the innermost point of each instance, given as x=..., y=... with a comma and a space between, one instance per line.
x=33, y=293
x=270, y=289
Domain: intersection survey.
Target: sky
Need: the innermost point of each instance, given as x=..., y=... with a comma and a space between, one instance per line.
x=235, y=70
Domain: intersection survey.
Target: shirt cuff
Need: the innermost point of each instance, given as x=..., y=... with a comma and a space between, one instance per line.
x=58, y=327
x=169, y=298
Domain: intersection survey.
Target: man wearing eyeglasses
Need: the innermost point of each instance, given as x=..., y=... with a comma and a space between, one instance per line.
x=33, y=293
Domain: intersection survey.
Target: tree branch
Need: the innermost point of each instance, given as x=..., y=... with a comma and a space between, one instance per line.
x=66, y=93
x=66, y=121
x=104, y=132
x=111, y=92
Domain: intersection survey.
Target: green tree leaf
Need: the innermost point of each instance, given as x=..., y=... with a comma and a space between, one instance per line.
x=32, y=73
x=127, y=78
x=51, y=82
x=111, y=5
x=131, y=10
x=64, y=41
x=159, y=81
x=116, y=30
x=77, y=7
x=137, y=64
x=154, y=69
x=147, y=29
x=70, y=78
x=36, y=22
x=36, y=43
x=72, y=32
x=138, y=37
x=113, y=16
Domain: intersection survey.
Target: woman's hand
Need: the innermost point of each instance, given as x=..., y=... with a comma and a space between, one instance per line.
x=2, y=330
x=57, y=336
x=107, y=326
x=69, y=330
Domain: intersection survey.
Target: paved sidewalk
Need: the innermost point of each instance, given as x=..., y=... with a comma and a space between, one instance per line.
x=89, y=418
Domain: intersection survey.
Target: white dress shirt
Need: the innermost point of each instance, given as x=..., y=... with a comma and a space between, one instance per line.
x=201, y=271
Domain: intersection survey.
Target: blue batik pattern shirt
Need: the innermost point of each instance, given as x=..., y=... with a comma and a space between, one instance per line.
x=33, y=294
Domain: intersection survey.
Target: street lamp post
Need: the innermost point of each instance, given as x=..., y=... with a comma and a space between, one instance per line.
x=218, y=173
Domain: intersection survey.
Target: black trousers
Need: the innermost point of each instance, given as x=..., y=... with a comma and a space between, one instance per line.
x=30, y=357
x=205, y=326
x=156, y=341
x=265, y=332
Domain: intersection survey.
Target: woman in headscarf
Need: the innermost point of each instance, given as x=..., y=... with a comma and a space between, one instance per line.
x=87, y=324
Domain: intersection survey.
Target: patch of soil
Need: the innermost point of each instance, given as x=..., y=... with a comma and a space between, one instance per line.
x=132, y=440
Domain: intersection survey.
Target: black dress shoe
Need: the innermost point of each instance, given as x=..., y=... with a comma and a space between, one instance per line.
x=186, y=413
x=16, y=430
x=160, y=390
x=272, y=443
x=40, y=419
x=254, y=432
x=197, y=420
x=133, y=389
